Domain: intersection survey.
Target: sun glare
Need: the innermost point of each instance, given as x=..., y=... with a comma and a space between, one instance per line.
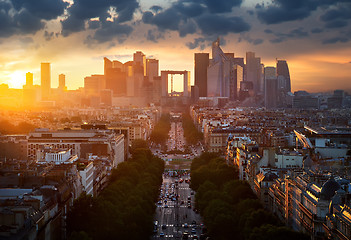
x=17, y=79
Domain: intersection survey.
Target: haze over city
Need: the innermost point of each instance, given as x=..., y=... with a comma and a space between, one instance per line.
x=177, y=119
x=74, y=36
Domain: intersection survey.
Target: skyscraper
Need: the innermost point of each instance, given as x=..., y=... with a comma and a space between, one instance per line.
x=271, y=87
x=237, y=78
x=62, y=82
x=45, y=81
x=29, y=79
x=151, y=69
x=200, y=70
x=115, y=77
x=283, y=71
x=253, y=71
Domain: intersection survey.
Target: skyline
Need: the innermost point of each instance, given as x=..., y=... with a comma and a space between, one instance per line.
x=318, y=57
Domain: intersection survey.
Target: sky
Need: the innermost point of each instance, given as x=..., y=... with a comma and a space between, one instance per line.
x=314, y=36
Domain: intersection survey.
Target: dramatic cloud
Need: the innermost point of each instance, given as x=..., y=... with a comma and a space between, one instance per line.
x=189, y=16
x=215, y=24
x=27, y=17
x=335, y=40
x=42, y=9
x=198, y=42
x=110, y=14
x=222, y=6
x=168, y=19
x=286, y=10
x=112, y=30
x=154, y=36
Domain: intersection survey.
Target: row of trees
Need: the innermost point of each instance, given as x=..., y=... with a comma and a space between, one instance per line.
x=22, y=128
x=125, y=208
x=192, y=135
x=160, y=132
x=229, y=208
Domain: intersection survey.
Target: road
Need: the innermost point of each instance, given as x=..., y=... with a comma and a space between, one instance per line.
x=173, y=216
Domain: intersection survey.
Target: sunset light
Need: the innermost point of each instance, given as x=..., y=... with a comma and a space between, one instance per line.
x=175, y=120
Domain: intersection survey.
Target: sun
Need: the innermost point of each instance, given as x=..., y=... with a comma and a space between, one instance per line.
x=17, y=79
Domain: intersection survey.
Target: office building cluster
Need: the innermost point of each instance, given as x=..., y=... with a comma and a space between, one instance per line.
x=249, y=83
x=228, y=76
x=296, y=161
x=43, y=172
x=135, y=82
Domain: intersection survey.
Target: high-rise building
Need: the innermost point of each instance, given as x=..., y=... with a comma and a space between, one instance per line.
x=94, y=84
x=115, y=77
x=253, y=71
x=271, y=87
x=62, y=82
x=139, y=59
x=283, y=76
x=336, y=101
x=220, y=74
x=45, y=81
x=238, y=74
x=151, y=69
x=200, y=69
x=29, y=79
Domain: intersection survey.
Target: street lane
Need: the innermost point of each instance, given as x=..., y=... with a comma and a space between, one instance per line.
x=174, y=218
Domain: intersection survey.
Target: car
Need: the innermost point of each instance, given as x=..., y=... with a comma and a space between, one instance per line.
x=164, y=226
x=162, y=234
x=185, y=225
x=195, y=236
x=193, y=231
x=166, y=206
x=185, y=235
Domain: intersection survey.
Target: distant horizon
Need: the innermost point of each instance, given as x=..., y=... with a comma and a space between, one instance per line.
x=314, y=38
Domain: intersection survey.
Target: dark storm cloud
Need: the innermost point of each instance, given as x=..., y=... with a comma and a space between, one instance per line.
x=335, y=40
x=250, y=12
x=336, y=24
x=222, y=6
x=187, y=27
x=83, y=10
x=111, y=30
x=43, y=9
x=253, y=41
x=287, y=10
x=72, y=25
x=316, y=30
x=189, y=16
x=220, y=25
x=195, y=43
x=189, y=9
x=94, y=24
x=277, y=40
x=342, y=11
x=165, y=20
x=154, y=36
x=176, y=18
x=27, y=17
x=293, y=34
